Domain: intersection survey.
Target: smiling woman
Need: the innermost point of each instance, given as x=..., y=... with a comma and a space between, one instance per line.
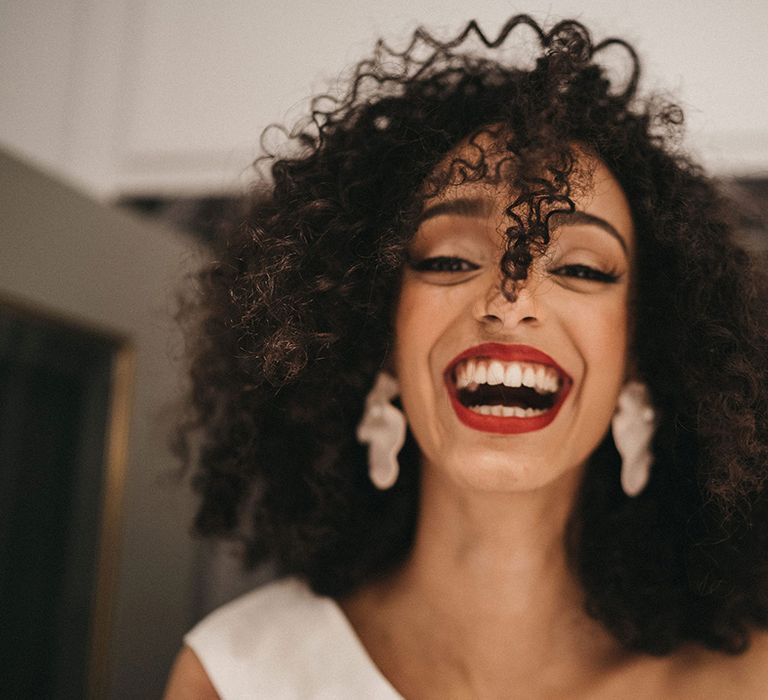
x=484, y=376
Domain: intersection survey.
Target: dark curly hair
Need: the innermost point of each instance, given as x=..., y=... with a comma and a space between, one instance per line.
x=293, y=320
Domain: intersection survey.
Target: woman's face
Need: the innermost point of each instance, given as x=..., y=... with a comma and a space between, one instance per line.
x=507, y=395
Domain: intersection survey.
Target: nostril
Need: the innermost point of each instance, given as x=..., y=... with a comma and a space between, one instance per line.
x=496, y=320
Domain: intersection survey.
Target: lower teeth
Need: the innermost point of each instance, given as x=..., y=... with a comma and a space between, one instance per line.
x=507, y=411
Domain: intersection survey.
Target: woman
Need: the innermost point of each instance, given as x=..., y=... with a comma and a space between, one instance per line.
x=484, y=375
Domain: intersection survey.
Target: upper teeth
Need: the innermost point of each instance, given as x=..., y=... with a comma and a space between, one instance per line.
x=474, y=371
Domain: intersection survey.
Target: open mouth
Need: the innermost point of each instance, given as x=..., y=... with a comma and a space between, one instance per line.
x=506, y=388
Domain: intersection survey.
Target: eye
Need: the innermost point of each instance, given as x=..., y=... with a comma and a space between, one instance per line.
x=585, y=272
x=443, y=263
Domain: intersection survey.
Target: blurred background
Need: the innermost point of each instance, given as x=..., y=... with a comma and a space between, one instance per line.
x=127, y=130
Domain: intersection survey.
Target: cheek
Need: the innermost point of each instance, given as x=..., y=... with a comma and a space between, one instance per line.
x=422, y=316
x=602, y=335
x=425, y=316
x=407, y=317
x=608, y=329
x=414, y=327
x=410, y=349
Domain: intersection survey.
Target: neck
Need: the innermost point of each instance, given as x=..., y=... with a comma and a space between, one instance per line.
x=488, y=573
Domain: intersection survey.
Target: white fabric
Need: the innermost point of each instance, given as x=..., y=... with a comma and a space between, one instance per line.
x=281, y=642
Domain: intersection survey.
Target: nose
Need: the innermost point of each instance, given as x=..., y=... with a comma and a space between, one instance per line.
x=497, y=313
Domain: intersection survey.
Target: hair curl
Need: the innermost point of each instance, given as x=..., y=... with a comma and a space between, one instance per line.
x=294, y=319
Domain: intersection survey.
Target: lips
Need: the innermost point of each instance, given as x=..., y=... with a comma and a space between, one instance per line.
x=486, y=354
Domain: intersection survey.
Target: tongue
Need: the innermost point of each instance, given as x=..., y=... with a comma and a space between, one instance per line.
x=502, y=395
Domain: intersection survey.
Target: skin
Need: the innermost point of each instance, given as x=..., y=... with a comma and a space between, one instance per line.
x=486, y=605
x=188, y=679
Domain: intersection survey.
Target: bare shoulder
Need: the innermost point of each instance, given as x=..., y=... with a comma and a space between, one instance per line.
x=713, y=674
x=755, y=662
x=188, y=679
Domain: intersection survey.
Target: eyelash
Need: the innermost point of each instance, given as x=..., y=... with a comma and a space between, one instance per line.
x=585, y=272
x=445, y=263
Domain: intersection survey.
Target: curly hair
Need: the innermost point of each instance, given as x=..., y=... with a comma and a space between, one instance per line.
x=294, y=318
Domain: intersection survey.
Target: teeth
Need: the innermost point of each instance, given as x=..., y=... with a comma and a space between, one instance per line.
x=514, y=375
x=553, y=383
x=507, y=411
x=543, y=379
x=529, y=377
x=495, y=373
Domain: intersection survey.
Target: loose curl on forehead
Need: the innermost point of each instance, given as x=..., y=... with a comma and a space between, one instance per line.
x=293, y=319
x=523, y=117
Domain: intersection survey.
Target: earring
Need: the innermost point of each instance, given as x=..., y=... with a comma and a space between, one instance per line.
x=382, y=428
x=633, y=425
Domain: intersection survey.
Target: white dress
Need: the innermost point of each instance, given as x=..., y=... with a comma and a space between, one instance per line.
x=281, y=642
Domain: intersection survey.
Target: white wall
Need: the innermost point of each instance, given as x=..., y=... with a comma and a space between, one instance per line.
x=137, y=96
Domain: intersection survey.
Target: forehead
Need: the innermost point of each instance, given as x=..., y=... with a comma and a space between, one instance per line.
x=595, y=191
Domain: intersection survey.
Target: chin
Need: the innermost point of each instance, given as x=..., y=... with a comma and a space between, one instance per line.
x=492, y=473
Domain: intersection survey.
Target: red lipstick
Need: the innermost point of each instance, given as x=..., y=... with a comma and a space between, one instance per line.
x=506, y=424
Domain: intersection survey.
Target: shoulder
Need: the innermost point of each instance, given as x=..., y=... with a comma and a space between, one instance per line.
x=254, y=643
x=716, y=674
x=279, y=641
x=222, y=652
x=188, y=679
x=240, y=627
x=749, y=671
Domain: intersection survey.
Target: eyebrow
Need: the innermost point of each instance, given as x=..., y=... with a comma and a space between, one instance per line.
x=581, y=217
x=461, y=206
x=479, y=206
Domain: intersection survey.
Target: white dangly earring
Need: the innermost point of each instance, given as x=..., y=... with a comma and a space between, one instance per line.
x=382, y=428
x=633, y=425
